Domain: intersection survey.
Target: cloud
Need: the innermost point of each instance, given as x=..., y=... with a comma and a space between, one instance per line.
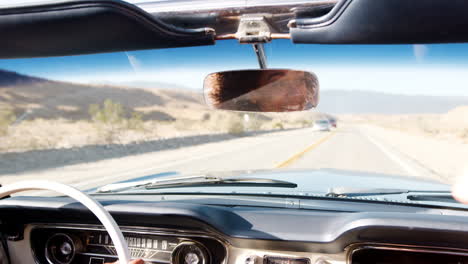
x=134, y=62
x=420, y=52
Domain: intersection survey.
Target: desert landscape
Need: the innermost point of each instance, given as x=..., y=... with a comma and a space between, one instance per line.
x=37, y=114
x=49, y=129
x=451, y=126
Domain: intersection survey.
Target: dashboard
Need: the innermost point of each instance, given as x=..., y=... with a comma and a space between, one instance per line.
x=90, y=244
x=59, y=231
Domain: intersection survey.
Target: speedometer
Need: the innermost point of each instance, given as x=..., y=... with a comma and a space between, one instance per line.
x=190, y=252
x=156, y=249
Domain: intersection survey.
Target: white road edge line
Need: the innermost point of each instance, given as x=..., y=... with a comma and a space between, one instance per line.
x=407, y=168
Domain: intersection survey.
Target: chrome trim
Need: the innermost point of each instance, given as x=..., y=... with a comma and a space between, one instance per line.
x=272, y=36
x=224, y=16
x=47, y=253
x=198, y=244
x=137, y=230
x=401, y=247
x=113, y=256
x=210, y=5
x=322, y=21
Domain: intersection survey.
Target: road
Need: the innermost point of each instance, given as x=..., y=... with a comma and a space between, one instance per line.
x=346, y=148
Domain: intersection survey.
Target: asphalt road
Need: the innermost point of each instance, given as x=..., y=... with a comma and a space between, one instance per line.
x=345, y=148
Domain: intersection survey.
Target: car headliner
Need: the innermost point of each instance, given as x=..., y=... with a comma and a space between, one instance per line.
x=348, y=21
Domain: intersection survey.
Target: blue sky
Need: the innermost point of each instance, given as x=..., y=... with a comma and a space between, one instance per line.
x=405, y=69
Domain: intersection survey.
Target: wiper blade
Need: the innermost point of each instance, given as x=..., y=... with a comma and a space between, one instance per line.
x=196, y=181
x=447, y=198
x=220, y=181
x=357, y=192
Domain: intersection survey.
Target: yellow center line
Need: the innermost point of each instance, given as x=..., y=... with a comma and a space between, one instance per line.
x=300, y=154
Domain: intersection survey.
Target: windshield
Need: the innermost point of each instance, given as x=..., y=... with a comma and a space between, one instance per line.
x=92, y=120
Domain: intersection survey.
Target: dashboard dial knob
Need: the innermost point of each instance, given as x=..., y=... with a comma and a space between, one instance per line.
x=61, y=248
x=190, y=252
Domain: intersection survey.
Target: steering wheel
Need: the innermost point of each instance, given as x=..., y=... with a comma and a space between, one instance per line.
x=95, y=207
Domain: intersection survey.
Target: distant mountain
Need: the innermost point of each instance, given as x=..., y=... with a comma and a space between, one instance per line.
x=33, y=97
x=366, y=102
x=147, y=85
x=8, y=78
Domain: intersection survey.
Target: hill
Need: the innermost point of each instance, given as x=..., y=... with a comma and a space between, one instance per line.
x=33, y=98
x=12, y=78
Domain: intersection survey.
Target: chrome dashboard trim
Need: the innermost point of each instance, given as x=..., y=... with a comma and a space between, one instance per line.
x=402, y=247
x=106, y=255
x=136, y=230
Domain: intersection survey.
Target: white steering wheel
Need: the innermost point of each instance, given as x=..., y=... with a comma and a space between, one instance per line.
x=95, y=207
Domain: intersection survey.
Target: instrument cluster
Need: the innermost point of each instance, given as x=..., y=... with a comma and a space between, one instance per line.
x=69, y=245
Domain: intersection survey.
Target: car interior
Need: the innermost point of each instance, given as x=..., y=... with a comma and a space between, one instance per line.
x=199, y=228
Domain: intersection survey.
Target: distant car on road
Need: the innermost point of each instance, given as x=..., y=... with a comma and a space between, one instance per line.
x=322, y=125
x=332, y=122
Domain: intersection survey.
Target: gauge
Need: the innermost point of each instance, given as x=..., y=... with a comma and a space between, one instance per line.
x=190, y=252
x=61, y=248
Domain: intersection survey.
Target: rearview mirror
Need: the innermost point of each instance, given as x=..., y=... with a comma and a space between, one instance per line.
x=262, y=90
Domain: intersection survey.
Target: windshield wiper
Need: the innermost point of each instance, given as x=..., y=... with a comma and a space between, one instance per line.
x=443, y=196
x=359, y=192
x=447, y=198
x=196, y=181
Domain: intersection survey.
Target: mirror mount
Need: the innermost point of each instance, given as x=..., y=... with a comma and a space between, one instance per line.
x=254, y=29
x=261, y=55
